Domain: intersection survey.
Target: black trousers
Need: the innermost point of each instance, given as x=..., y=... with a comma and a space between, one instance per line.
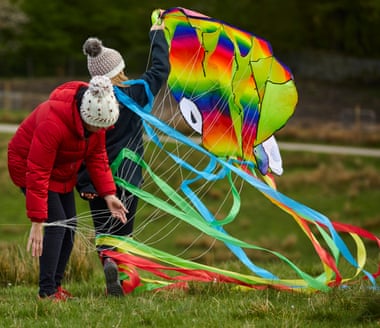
x=58, y=241
x=103, y=223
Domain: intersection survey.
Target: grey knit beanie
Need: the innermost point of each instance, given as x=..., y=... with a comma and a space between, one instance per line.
x=99, y=106
x=102, y=60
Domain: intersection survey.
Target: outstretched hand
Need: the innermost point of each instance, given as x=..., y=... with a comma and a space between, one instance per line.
x=116, y=208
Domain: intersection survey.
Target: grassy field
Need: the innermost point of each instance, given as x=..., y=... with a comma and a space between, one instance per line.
x=344, y=188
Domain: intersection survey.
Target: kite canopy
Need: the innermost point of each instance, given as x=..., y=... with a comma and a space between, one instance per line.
x=230, y=87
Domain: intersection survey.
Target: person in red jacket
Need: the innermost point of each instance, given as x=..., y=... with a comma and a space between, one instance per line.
x=44, y=157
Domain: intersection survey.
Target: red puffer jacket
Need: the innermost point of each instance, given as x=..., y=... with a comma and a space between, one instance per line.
x=49, y=147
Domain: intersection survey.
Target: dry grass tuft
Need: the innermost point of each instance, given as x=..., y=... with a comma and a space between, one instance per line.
x=16, y=266
x=19, y=267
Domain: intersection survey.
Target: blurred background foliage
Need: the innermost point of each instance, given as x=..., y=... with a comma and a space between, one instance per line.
x=44, y=38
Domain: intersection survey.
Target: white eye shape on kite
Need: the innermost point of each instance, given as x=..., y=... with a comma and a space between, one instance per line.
x=191, y=114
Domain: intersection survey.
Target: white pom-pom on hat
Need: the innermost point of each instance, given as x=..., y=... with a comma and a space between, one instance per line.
x=99, y=106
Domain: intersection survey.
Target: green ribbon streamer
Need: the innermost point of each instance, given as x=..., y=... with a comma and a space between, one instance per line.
x=192, y=217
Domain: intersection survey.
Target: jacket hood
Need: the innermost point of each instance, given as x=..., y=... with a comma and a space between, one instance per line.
x=63, y=102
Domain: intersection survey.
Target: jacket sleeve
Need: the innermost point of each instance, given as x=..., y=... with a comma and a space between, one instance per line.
x=158, y=72
x=40, y=162
x=98, y=166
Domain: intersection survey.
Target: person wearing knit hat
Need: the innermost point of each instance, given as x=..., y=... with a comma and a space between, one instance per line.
x=44, y=157
x=126, y=133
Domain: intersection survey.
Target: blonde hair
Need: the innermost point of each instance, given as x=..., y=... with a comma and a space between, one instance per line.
x=118, y=79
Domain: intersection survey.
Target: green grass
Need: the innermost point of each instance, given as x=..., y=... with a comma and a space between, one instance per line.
x=201, y=306
x=345, y=188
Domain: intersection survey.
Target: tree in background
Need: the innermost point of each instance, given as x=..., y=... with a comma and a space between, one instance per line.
x=50, y=34
x=12, y=19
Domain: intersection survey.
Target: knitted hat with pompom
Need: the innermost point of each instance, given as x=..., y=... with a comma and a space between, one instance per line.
x=102, y=60
x=99, y=106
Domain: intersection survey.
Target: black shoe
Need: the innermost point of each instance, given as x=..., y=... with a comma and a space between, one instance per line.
x=111, y=272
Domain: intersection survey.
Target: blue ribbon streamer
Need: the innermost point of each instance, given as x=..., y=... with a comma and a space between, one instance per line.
x=304, y=211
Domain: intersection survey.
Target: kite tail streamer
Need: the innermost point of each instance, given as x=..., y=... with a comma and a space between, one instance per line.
x=192, y=217
x=302, y=213
x=202, y=219
x=133, y=257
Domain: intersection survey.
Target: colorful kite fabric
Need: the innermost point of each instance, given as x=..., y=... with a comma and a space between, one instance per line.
x=238, y=96
x=229, y=86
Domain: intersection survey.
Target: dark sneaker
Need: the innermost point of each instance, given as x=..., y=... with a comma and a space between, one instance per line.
x=111, y=272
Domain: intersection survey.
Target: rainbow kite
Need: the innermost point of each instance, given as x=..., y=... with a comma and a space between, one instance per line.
x=232, y=91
